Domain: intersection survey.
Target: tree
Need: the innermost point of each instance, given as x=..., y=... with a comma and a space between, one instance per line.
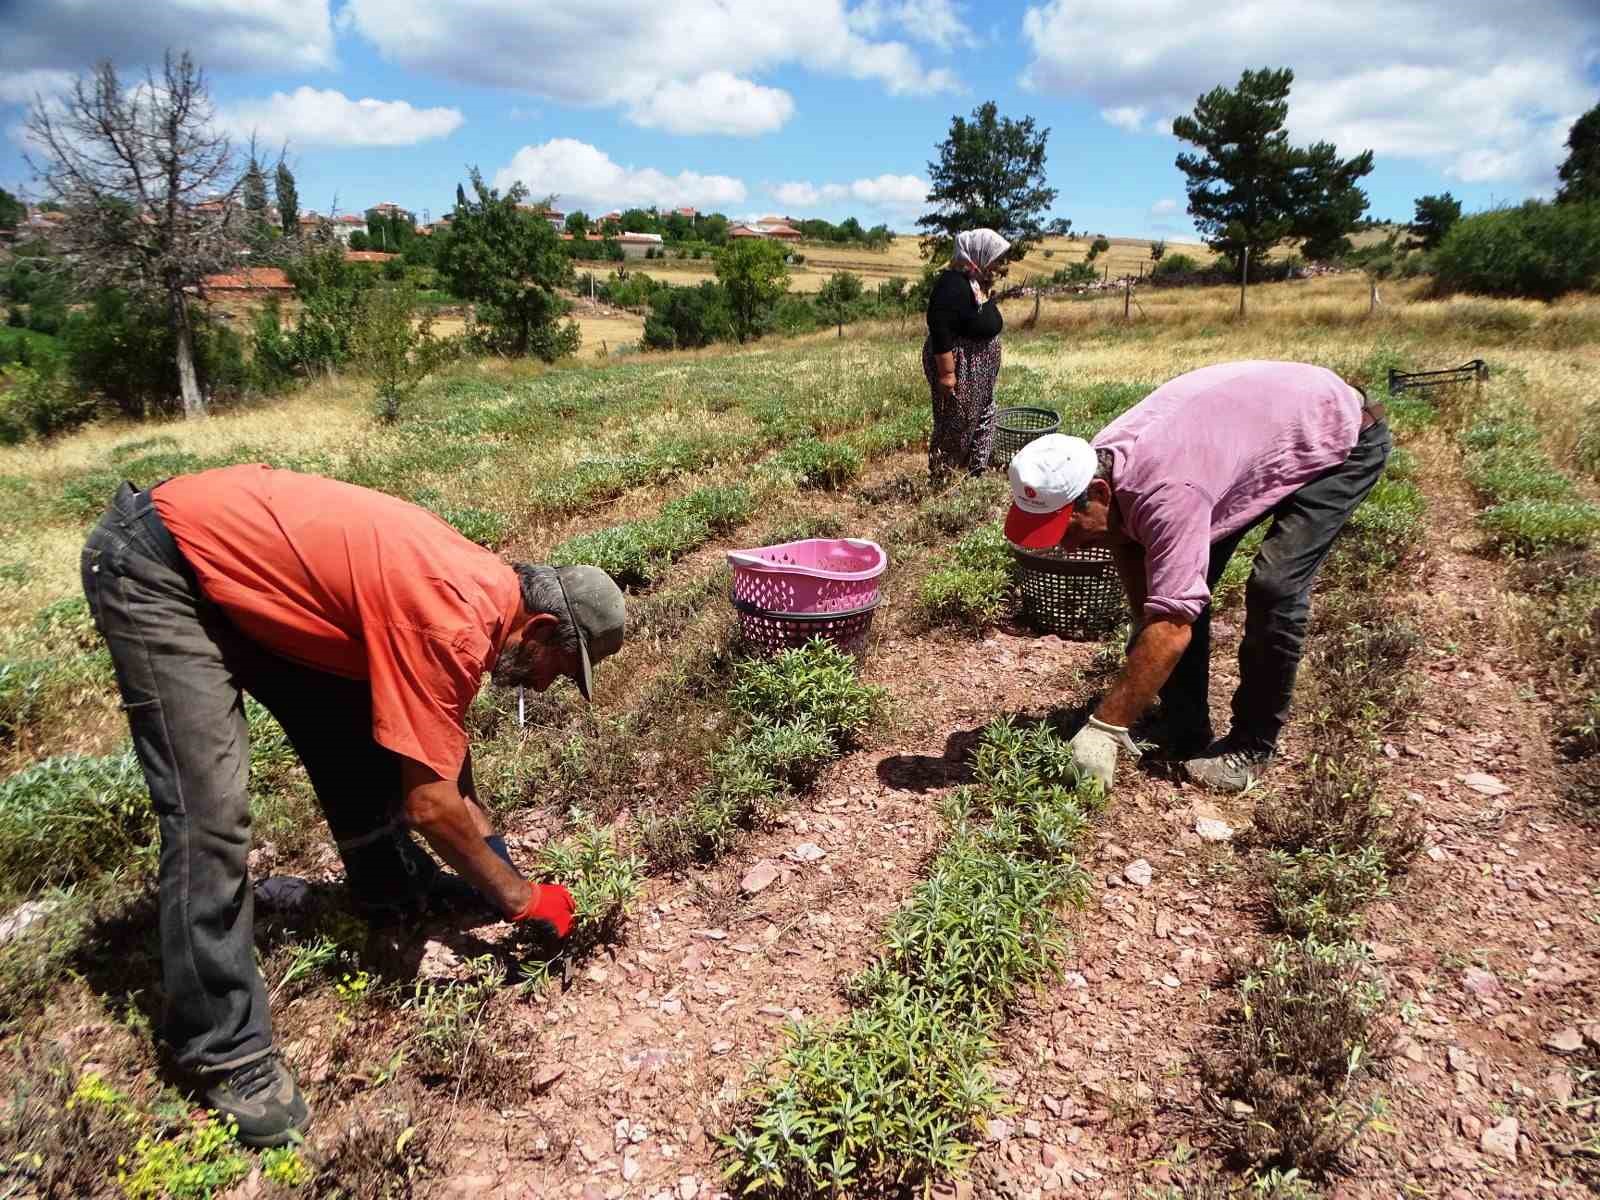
x=753, y=272
x=510, y=262
x=1059, y=227
x=1157, y=249
x=253, y=196
x=12, y=210
x=1098, y=247
x=288, y=200
x=393, y=347
x=1249, y=188
x=989, y=175
x=360, y=241
x=148, y=186
x=578, y=223
x=638, y=220
x=1326, y=203
x=1434, y=217
x=1580, y=174
x=683, y=318
x=713, y=228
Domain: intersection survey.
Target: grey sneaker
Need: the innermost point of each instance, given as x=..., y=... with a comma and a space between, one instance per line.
x=263, y=1099
x=1227, y=770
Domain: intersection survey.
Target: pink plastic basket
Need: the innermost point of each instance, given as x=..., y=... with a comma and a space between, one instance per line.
x=818, y=575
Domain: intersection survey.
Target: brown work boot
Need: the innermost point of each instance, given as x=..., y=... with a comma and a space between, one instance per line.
x=263, y=1100
x=1224, y=770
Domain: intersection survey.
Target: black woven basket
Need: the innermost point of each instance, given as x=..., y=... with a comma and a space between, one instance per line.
x=773, y=632
x=1014, y=428
x=1073, y=594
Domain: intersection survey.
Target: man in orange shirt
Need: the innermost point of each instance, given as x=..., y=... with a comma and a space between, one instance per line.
x=365, y=625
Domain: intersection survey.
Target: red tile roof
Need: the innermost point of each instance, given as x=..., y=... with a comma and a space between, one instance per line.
x=249, y=279
x=367, y=256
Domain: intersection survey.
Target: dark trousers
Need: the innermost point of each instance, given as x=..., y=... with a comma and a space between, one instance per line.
x=182, y=669
x=1277, y=603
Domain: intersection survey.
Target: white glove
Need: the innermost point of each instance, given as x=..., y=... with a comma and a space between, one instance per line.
x=1095, y=747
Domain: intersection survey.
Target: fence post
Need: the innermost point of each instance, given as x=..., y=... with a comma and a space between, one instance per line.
x=1127, y=296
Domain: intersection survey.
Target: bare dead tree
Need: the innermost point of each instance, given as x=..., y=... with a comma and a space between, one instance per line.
x=149, y=186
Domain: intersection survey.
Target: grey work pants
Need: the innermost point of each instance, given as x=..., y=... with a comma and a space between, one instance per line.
x=1277, y=603
x=182, y=669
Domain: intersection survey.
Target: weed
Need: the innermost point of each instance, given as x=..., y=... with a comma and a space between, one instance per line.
x=798, y=529
x=635, y=554
x=1309, y=1027
x=604, y=881
x=1529, y=528
x=815, y=464
x=974, y=586
x=196, y=1163
x=1319, y=894
x=1504, y=473
x=388, y=1155
x=283, y=1167
x=450, y=1044
x=65, y=819
x=61, y=1134
x=953, y=513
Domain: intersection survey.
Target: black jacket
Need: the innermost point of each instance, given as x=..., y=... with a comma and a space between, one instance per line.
x=953, y=313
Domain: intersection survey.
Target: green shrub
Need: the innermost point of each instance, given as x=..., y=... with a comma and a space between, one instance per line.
x=973, y=588
x=815, y=464
x=635, y=554
x=1527, y=528
x=40, y=403
x=1320, y=893
x=198, y=1163
x=65, y=819
x=1174, y=264
x=1537, y=249
x=1515, y=473
x=816, y=682
x=603, y=880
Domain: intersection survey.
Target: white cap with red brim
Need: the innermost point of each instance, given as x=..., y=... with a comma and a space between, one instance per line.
x=1047, y=475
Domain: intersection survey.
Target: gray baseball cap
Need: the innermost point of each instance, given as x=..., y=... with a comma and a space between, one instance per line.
x=598, y=614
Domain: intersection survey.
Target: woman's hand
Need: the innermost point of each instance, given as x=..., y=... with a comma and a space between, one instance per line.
x=945, y=364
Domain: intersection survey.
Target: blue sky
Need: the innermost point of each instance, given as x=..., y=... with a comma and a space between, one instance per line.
x=831, y=107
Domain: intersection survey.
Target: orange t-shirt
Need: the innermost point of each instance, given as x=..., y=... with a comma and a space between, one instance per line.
x=356, y=583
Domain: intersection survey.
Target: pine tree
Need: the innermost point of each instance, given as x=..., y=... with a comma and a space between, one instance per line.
x=288, y=200
x=989, y=175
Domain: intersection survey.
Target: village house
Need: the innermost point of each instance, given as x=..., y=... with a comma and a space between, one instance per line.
x=247, y=283
x=771, y=228
x=639, y=245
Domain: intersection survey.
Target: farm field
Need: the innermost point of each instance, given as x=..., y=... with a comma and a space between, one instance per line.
x=445, y=1060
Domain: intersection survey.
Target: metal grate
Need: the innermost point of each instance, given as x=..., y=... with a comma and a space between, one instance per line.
x=1014, y=428
x=1073, y=594
x=1475, y=371
x=772, y=633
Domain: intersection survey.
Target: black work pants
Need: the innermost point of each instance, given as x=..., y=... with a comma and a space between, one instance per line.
x=183, y=669
x=1277, y=602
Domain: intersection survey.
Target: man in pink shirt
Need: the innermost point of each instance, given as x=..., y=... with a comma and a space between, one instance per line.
x=1170, y=488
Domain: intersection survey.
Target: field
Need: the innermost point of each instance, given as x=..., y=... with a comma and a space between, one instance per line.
x=871, y=936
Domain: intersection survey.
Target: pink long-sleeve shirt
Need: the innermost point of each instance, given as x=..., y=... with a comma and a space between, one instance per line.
x=1210, y=453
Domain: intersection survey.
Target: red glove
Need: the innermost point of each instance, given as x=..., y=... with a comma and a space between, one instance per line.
x=550, y=907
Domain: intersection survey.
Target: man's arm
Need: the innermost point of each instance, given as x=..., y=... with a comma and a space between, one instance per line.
x=455, y=825
x=1160, y=645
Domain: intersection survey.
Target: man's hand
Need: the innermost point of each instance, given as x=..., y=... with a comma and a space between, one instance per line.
x=549, y=909
x=1095, y=748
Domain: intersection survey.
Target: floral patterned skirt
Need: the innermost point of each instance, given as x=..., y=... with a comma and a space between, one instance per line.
x=963, y=424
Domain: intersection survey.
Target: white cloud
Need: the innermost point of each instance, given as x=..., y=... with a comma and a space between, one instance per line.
x=582, y=176
x=1456, y=84
x=898, y=195
x=716, y=102
x=661, y=64
x=935, y=22
x=223, y=35
x=22, y=87
x=1164, y=207
x=308, y=117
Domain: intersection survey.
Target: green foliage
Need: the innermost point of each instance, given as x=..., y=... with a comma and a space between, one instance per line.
x=12, y=210
x=1174, y=264
x=1249, y=188
x=989, y=174
x=1515, y=473
x=195, y=1164
x=684, y=318
x=816, y=683
x=510, y=261
x=1537, y=250
x=753, y=274
x=288, y=199
x=40, y=402
x=448, y=1041
x=895, y=1094
x=1320, y=893
x=1435, y=217
x=604, y=880
x=1580, y=171
x=819, y=465
x=1098, y=247
x=636, y=553
x=973, y=587
x=1528, y=528
x=283, y=1167
x=393, y=347
x=67, y=818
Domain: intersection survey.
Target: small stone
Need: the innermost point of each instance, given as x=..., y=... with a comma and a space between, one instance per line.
x=1171, y=981
x=688, y=1187
x=24, y=915
x=597, y=974
x=548, y=1076
x=1559, y=1086
x=1565, y=1041
x=1471, y=1127
x=1138, y=873
x=589, y=1156
x=1460, y=1061
x=630, y=1168
x=807, y=852
x=714, y=935
x=1480, y=982
x=998, y=1130
x=1484, y=785
x=1051, y=1156
x=638, y=1132
x=721, y=1046
x=1501, y=1140
x=758, y=878
x=672, y=1007
x=1239, y=1108
x=1212, y=830
x=1031, y=1128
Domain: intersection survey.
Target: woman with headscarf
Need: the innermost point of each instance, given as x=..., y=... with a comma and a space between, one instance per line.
x=961, y=356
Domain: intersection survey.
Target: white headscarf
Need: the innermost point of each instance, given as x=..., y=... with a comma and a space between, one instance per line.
x=980, y=248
